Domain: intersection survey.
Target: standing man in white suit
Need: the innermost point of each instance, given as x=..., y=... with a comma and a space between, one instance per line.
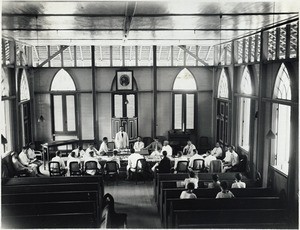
x=121, y=140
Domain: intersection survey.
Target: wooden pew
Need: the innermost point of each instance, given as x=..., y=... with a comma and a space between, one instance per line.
x=174, y=193
x=56, y=202
x=206, y=204
x=234, y=218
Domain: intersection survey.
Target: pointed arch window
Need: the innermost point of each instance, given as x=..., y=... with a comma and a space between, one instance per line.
x=223, y=91
x=281, y=122
x=245, y=111
x=24, y=88
x=184, y=99
x=63, y=102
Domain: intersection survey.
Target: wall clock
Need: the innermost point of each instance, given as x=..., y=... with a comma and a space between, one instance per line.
x=124, y=80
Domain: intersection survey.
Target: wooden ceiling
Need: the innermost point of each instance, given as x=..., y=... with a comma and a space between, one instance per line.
x=188, y=22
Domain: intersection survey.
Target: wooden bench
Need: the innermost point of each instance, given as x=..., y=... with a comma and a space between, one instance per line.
x=234, y=218
x=206, y=204
x=55, y=202
x=174, y=193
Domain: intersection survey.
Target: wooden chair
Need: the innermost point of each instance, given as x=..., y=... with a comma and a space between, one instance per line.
x=139, y=169
x=182, y=167
x=111, y=169
x=75, y=169
x=216, y=166
x=198, y=165
x=54, y=169
x=91, y=165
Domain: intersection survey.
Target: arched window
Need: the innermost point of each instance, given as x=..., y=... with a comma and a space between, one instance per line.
x=184, y=101
x=245, y=110
x=63, y=104
x=281, y=123
x=223, y=91
x=24, y=88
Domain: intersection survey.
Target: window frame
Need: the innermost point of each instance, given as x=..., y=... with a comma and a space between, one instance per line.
x=124, y=106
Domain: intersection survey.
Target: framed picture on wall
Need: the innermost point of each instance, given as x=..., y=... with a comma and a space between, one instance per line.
x=124, y=80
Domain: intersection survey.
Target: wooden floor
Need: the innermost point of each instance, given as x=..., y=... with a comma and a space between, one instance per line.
x=137, y=201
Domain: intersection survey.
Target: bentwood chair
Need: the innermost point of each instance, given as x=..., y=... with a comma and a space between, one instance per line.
x=54, y=169
x=75, y=169
x=111, y=170
x=216, y=166
x=182, y=167
x=91, y=165
x=198, y=165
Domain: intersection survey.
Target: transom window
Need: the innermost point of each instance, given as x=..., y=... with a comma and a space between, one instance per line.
x=281, y=123
x=64, y=104
x=245, y=110
x=223, y=91
x=184, y=101
x=24, y=88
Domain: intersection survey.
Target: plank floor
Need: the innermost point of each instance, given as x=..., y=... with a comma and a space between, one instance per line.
x=137, y=201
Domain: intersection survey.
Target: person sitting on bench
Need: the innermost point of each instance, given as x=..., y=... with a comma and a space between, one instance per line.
x=191, y=179
x=188, y=194
x=238, y=181
x=215, y=183
x=24, y=160
x=32, y=156
x=62, y=166
x=231, y=159
x=21, y=168
x=225, y=193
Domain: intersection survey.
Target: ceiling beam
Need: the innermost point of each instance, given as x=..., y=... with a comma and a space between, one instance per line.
x=207, y=55
x=141, y=29
x=193, y=55
x=129, y=13
x=62, y=48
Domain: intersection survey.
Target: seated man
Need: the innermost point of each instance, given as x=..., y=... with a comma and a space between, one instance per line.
x=21, y=168
x=196, y=156
x=24, y=160
x=238, y=181
x=208, y=159
x=132, y=160
x=193, y=178
x=138, y=145
x=58, y=159
x=189, y=193
x=225, y=193
x=89, y=149
x=103, y=147
x=215, y=183
x=189, y=148
x=164, y=166
x=72, y=158
x=179, y=157
x=166, y=147
x=92, y=158
x=217, y=151
x=32, y=156
x=79, y=152
x=155, y=146
x=231, y=159
x=116, y=158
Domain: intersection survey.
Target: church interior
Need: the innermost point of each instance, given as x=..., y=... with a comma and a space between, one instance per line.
x=111, y=110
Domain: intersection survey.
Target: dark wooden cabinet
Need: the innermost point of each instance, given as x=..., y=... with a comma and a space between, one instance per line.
x=130, y=125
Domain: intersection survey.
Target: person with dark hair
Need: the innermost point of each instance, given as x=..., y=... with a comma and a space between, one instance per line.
x=138, y=145
x=32, y=156
x=58, y=159
x=121, y=139
x=238, y=181
x=116, y=158
x=231, y=159
x=189, y=148
x=164, y=166
x=215, y=183
x=24, y=160
x=155, y=147
x=72, y=158
x=191, y=179
x=89, y=149
x=20, y=167
x=217, y=151
x=92, y=158
x=225, y=193
x=103, y=147
x=132, y=161
x=188, y=194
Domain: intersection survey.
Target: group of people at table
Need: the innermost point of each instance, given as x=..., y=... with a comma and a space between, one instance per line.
x=163, y=152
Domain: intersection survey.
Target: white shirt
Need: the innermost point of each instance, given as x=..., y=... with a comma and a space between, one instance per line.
x=169, y=150
x=61, y=162
x=195, y=157
x=132, y=159
x=31, y=154
x=89, y=158
x=24, y=159
x=88, y=150
x=103, y=148
x=189, y=149
x=231, y=157
x=121, y=140
x=72, y=159
x=187, y=195
x=217, y=152
x=138, y=146
x=238, y=184
x=191, y=180
x=208, y=159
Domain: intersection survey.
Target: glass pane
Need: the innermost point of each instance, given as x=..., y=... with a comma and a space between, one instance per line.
x=24, y=89
x=62, y=81
x=131, y=105
x=71, y=122
x=223, y=86
x=246, y=86
x=190, y=111
x=245, y=123
x=118, y=105
x=58, y=113
x=185, y=81
x=178, y=111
